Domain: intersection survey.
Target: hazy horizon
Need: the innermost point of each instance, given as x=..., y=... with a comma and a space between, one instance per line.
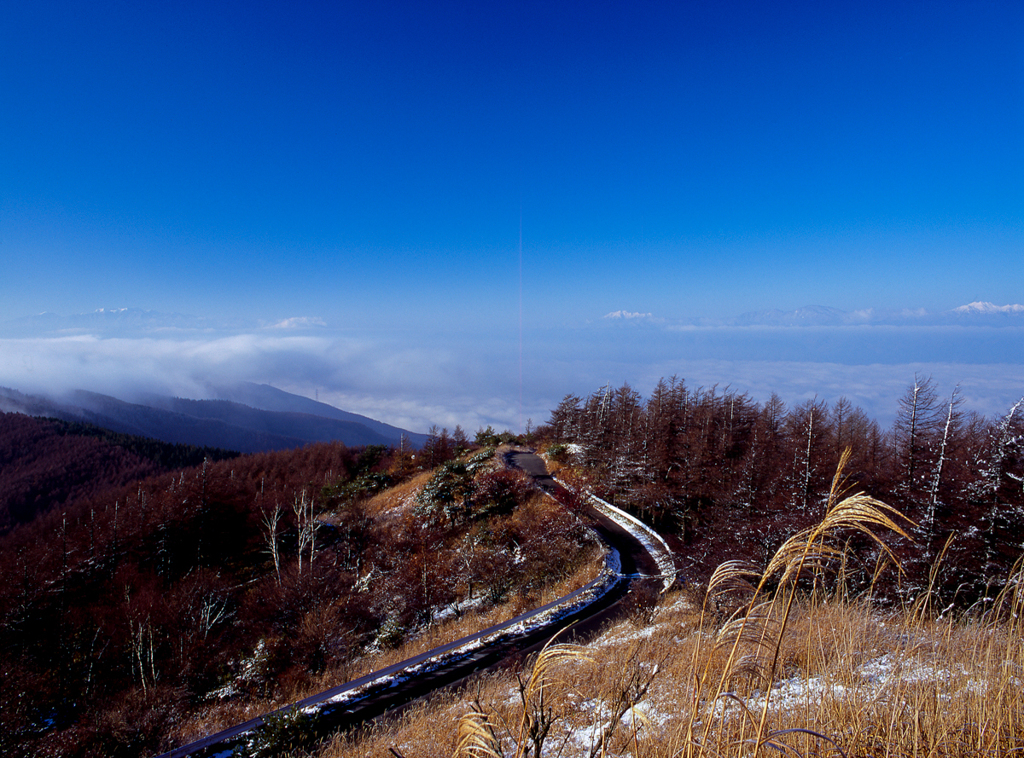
x=417, y=378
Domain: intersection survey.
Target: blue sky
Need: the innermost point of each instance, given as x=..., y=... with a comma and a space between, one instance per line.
x=371, y=166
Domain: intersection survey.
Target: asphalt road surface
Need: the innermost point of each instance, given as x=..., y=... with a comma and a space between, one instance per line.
x=393, y=693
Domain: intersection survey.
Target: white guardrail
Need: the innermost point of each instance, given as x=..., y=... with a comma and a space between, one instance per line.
x=650, y=539
x=653, y=542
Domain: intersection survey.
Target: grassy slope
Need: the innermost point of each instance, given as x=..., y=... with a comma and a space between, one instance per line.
x=758, y=664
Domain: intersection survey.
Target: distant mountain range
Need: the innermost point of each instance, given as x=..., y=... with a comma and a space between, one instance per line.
x=136, y=322
x=989, y=309
x=975, y=314
x=972, y=314
x=249, y=418
x=816, y=315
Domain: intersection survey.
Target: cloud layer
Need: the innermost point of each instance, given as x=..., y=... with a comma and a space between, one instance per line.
x=478, y=378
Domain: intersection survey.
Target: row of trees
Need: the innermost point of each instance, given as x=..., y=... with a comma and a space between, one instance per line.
x=734, y=477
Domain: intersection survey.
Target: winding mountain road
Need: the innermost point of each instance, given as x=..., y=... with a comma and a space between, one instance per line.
x=577, y=616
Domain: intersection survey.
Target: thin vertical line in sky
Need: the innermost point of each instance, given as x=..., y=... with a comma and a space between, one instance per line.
x=520, y=319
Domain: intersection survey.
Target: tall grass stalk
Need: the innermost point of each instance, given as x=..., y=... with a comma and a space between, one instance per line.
x=761, y=623
x=778, y=661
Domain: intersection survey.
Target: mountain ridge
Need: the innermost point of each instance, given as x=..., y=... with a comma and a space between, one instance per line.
x=269, y=398
x=973, y=314
x=135, y=322
x=217, y=423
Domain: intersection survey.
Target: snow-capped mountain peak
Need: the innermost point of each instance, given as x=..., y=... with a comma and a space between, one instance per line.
x=983, y=307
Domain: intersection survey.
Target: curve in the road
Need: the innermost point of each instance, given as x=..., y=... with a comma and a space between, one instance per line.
x=586, y=610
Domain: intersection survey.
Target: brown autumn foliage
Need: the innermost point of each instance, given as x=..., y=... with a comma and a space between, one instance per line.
x=42, y=468
x=129, y=611
x=48, y=463
x=246, y=580
x=729, y=478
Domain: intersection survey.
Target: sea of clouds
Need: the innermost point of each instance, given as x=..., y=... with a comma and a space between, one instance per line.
x=415, y=379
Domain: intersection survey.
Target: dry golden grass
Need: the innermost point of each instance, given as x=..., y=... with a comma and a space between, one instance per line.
x=424, y=729
x=216, y=717
x=855, y=682
x=398, y=497
x=796, y=671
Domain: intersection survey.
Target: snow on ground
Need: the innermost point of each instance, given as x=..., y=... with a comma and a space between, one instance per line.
x=876, y=679
x=624, y=635
x=460, y=608
x=531, y=621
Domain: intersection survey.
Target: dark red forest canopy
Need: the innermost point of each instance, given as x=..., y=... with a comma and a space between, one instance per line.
x=733, y=478
x=42, y=468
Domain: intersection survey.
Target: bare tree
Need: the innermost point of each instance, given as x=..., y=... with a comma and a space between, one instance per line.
x=949, y=429
x=271, y=519
x=808, y=427
x=1001, y=489
x=306, y=524
x=916, y=424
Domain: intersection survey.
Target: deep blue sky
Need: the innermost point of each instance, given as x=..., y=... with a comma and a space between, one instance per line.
x=371, y=164
x=369, y=161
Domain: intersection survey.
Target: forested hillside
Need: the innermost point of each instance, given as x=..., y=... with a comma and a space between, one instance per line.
x=128, y=613
x=732, y=478
x=46, y=463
